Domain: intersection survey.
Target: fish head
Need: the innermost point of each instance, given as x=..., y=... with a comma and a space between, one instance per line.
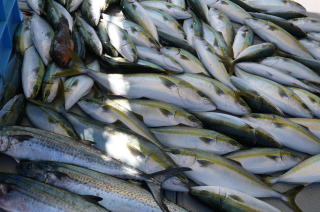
x=37, y=170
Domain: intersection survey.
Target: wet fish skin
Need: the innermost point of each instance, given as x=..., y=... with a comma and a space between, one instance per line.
x=22, y=37
x=159, y=114
x=23, y=194
x=222, y=96
x=12, y=111
x=312, y=46
x=47, y=119
x=314, y=36
x=304, y=173
x=91, y=10
x=266, y=160
x=25, y=145
x=226, y=199
x=313, y=125
x=89, y=35
x=307, y=24
x=291, y=67
x=109, y=111
x=37, y=6
x=256, y=52
x=232, y=10
x=32, y=73
x=209, y=169
x=42, y=35
x=136, y=150
x=220, y=22
x=50, y=84
x=280, y=96
x=311, y=100
x=116, y=194
x=187, y=61
x=286, y=132
x=243, y=39
x=135, y=12
x=212, y=62
x=201, y=139
x=237, y=129
x=276, y=35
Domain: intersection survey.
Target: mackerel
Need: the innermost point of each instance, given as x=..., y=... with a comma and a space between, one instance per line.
x=242, y=40
x=313, y=125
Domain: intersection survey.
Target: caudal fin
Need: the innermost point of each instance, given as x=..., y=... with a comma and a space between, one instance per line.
x=156, y=180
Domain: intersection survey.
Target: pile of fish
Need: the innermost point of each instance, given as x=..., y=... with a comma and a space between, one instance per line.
x=107, y=103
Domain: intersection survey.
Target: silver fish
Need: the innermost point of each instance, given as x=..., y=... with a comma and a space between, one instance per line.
x=169, y=8
x=313, y=125
x=312, y=46
x=286, y=132
x=274, y=34
x=311, y=100
x=242, y=40
x=42, y=36
x=32, y=73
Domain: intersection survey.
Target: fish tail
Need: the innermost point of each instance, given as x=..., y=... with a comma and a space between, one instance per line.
x=156, y=181
x=271, y=180
x=289, y=198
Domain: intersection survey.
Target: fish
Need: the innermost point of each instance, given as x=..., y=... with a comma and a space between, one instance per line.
x=199, y=8
x=23, y=194
x=137, y=33
x=180, y=3
x=50, y=84
x=256, y=102
x=186, y=60
x=159, y=114
x=120, y=40
x=75, y=88
x=22, y=37
x=23, y=144
x=135, y=150
x=266, y=160
x=272, y=33
x=73, y=5
x=32, y=73
x=232, y=10
x=138, y=14
x=175, y=11
x=237, y=129
x=313, y=125
x=47, y=119
x=220, y=22
x=226, y=199
x=113, y=193
x=89, y=35
x=242, y=40
x=280, y=96
x=272, y=74
x=311, y=100
x=307, y=24
x=285, y=9
x=292, y=68
x=189, y=30
x=216, y=40
x=312, y=46
x=281, y=22
x=166, y=25
x=222, y=96
x=42, y=36
x=286, y=132
x=157, y=57
x=303, y=173
x=314, y=36
x=254, y=52
x=212, y=62
x=55, y=11
x=37, y=6
x=194, y=138
x=11, y=113
x=109, y=111
x=91, y=10
x=79, y=44
x=209, y=169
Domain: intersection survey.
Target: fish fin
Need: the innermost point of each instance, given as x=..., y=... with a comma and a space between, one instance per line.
x=289, y=198
x=92, y=199
x=157, y=179
x=271, y=180
x=157, y=194
x=87, y=142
